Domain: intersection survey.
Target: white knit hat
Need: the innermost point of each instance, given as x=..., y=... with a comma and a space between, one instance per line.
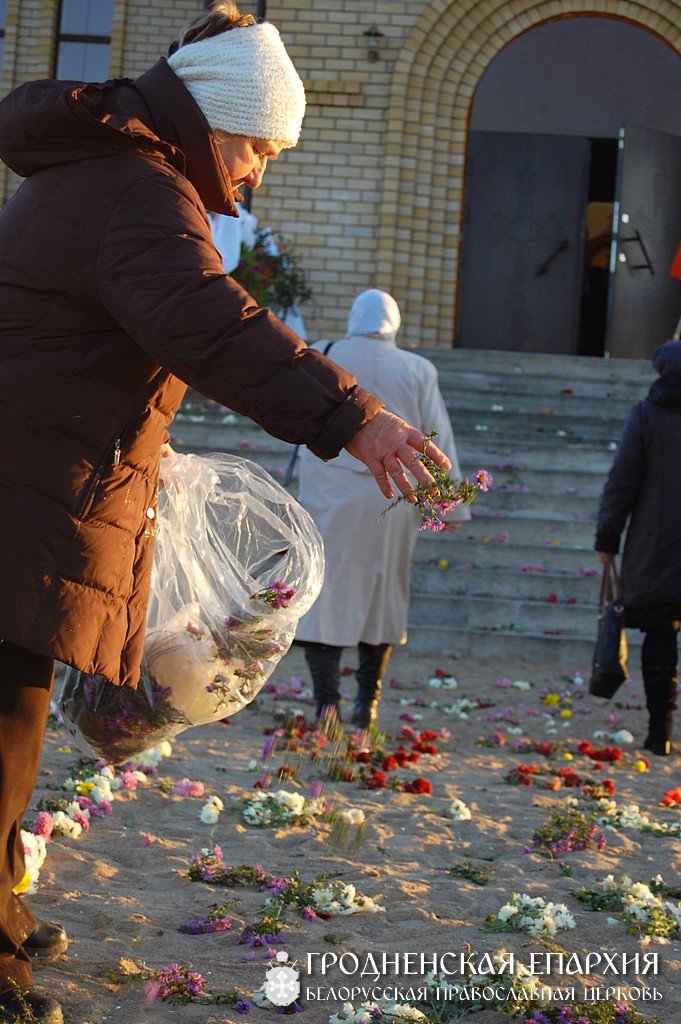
x=245, y=83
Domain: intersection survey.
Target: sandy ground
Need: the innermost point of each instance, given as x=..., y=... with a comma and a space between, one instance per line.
x=122, y=901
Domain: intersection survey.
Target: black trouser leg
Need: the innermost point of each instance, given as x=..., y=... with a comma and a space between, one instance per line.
x=25, y=683
x=323, y=661
x=373, y=662
x=659, y=669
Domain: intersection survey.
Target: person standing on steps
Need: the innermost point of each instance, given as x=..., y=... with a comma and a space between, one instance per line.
x=365, y=595
x=644, y=490
x=113, y=298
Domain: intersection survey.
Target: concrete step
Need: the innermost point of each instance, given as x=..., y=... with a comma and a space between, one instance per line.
x=584, y=483
x=540, y=364
x=543, y=532
x=519, y=614
x=572, y=652
x=559, y=504
x=515, y=387
x=477, y=581
x=460, y=552
x=538, y=403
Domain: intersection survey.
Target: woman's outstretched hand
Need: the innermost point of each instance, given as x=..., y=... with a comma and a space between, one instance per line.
x=389, y=447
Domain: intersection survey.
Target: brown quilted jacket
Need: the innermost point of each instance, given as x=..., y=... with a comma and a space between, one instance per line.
x=112, y=300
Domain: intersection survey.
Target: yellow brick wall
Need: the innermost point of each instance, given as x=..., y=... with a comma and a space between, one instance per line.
x=372, y=196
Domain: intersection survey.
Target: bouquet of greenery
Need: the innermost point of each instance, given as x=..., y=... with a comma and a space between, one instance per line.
x=270, y=272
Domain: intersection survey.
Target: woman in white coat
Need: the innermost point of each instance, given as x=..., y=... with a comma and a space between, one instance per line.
x=365, y=595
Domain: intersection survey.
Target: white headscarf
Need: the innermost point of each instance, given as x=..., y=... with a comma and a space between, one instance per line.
x=374, y=314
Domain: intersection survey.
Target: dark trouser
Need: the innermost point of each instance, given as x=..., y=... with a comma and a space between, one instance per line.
x=373, y=661
x=658, y=666
x=25, y=684
x=323, y=661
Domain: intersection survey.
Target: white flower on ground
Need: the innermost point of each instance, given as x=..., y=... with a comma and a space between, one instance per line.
x=353, y=816
x=210, y=812
x=460, y=811
x=339, y=898
x=62, y=825
x=445, y=683
x=533, y=914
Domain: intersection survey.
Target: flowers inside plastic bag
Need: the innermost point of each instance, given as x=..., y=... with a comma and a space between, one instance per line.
x=237, y=562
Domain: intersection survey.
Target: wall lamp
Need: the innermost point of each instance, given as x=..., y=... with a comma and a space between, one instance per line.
x=373, y=34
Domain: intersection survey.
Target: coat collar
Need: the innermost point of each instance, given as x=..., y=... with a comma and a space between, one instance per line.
x=178, y=120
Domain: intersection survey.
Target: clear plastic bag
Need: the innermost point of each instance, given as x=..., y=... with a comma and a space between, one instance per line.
x=237, y=562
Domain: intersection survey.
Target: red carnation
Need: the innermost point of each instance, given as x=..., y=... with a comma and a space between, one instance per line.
x=419, y=785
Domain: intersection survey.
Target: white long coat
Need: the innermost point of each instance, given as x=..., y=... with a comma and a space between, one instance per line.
x=366, y=586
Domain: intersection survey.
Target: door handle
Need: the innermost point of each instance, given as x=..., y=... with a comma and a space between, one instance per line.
x=647, y=265
x=544, y=267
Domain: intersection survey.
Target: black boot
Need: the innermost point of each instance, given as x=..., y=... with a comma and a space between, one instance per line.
x=660, y=686
x=373, y=661
x=47, y=940
x=29, y=1005
x=323, y=661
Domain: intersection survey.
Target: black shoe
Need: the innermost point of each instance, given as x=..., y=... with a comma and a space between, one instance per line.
x=658, y=745
x=48, y=939
x=30, y=1006
x=365, y=714
x=328, y=712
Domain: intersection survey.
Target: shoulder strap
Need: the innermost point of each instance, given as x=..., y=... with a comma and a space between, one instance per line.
x=288, y=475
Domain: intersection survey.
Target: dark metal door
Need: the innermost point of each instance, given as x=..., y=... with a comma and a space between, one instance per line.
x=522, y=246
x=645, y=301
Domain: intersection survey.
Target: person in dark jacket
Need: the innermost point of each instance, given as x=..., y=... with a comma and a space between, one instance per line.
x=113, y=298
x=644, y=487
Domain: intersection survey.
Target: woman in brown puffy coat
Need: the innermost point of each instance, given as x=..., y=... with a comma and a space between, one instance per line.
x=112, y=300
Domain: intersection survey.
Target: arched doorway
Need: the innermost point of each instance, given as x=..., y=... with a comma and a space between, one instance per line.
x=573, y=129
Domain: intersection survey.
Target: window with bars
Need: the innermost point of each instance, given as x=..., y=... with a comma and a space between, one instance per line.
x=3, y=20
x=84, y=40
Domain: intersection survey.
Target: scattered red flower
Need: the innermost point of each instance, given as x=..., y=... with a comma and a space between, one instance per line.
x=419, y=785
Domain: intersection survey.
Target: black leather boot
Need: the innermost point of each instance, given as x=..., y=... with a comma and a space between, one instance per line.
x=660, y=685
x=373, y=661
x=323, y=661
x=47, y=940
x=30, y=1005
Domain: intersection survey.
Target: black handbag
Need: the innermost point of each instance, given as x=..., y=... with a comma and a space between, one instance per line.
x=609, y=667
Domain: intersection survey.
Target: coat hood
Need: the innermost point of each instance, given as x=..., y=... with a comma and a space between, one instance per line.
x=374, y=314
x=667, y=358
x=50, y=123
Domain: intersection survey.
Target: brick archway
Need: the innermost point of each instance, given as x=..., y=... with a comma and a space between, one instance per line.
x=434, y=83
